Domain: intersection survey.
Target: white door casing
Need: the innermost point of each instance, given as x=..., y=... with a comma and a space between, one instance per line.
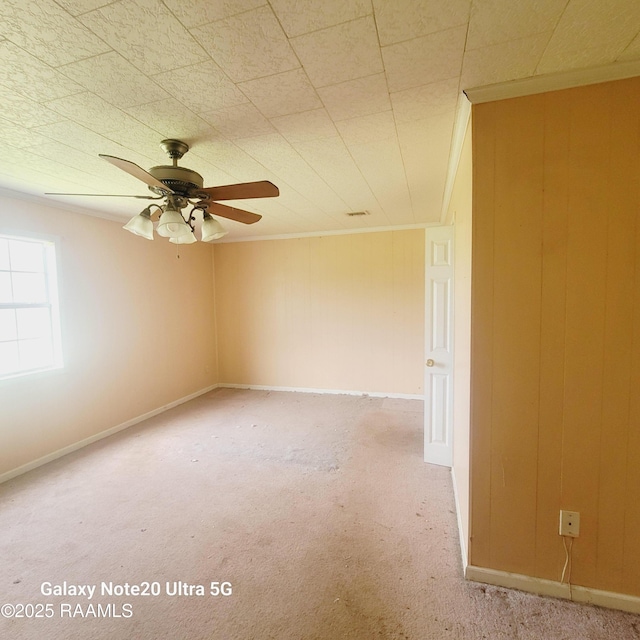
x=438, y=383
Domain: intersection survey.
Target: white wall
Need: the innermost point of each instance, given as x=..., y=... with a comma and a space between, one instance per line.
x=138, y=332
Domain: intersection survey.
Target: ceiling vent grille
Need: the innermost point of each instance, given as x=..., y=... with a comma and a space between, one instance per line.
x=358, y=213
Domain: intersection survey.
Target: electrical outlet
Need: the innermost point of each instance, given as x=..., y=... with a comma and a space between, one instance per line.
x=569, y=523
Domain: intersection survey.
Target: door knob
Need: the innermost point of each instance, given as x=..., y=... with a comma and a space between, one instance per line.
x=430, y=362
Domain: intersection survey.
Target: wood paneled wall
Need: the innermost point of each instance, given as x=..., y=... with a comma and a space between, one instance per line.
x=342, y=312
x=555, y=420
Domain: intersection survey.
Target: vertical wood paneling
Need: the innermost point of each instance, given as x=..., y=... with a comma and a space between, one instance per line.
x=323, y=312
x=618, y=334
x=585, y=312
x=556, y=334
x=631, y=523
x=484, y=133
x=516, y=321
x=549, y=552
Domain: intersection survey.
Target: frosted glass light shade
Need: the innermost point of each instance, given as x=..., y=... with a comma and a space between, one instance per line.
x=211, y=229
x=141, y=225
x=187, y=238
x=172, y=224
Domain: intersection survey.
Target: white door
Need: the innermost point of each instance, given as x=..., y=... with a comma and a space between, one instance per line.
x=438, y=379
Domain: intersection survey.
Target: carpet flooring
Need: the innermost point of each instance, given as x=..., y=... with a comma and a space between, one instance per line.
x=247, y=515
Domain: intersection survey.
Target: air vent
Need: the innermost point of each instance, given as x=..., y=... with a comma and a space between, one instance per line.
x=358, y=213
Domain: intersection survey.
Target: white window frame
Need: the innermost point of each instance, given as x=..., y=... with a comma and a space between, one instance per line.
x=50, y=251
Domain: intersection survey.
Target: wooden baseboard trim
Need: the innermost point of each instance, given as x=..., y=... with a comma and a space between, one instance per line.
x=543, y=587
x=18, y=471
x=373, y=394
x=463, y=542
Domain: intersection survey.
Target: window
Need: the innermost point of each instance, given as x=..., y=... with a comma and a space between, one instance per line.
x=29, y=321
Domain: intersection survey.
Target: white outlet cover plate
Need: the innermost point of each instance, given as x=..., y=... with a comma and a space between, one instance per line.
x=569, y=523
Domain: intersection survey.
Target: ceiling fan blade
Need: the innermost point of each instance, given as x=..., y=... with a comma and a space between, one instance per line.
x=261, y=189
x=105, y=195
x=239, y=215
x=137, y=172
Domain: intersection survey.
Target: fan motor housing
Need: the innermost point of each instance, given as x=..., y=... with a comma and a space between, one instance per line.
x=178, y=179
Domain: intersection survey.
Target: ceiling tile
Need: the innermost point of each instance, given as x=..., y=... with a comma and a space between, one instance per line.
x=590, y=33
x=239, y=121
x=297, y=211
x=344, y=52
x=211, y=174
x=632, y=52
x=293, y=205
x=358, y=97
x=227, y=156
x=344, y=145
x=365, y=129
x=402, y=20
x=287, y=163
x=424, y=60
x=33, y=162
x=282, y=94
x=302, y=16
x=21, y=178
x=47, y=31
x=157, y=43
x=381, y=165
x=422, y=144
x=25, y=112
x=201, y=87
x=333, y=163
x=309, y=125
x=92, y=111
x=197, y=12
x=64, y=155
x=115, y=80
x=303, y=209
x=496, y=21
x=83, y=139
x=78, y=7
x=502, y=62
x=139, y=138
x=17, y=136
x=28, y=76
x=170, y=119
x=425, y=101
x=247, y=46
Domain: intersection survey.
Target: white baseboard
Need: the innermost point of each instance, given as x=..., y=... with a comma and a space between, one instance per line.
x=542, y=587
x=99, y=436
x=373, y=394
x=463, y=542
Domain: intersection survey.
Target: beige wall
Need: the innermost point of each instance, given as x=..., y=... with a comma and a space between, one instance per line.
x=556, y=333
x=137, y=330
x=342, y=312
x=460, y=213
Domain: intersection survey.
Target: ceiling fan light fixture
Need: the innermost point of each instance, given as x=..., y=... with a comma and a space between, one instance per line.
x=187, y=238
x=211, y=228
x=141, y=225
x=172, y=224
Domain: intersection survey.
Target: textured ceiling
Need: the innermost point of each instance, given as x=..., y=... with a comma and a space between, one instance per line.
x=346, y=105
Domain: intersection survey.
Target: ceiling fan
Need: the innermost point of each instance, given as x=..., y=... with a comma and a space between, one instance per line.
x=179, y=187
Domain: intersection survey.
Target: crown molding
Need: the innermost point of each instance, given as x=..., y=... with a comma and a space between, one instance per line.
x=320, y=234
x=553, y=82
x=457, y=140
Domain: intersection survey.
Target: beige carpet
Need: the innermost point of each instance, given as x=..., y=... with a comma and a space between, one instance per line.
x=317, y=509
